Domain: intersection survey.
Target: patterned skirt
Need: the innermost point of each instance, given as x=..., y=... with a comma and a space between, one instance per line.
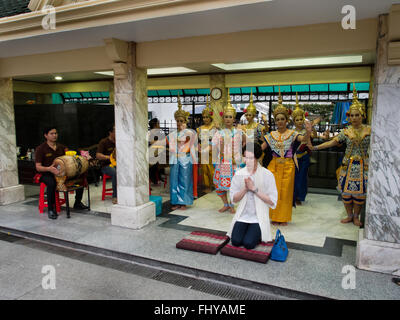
x=353, y=179
x=223, y=174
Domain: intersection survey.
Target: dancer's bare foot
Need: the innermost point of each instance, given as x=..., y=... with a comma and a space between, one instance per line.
x=224, y=208
x=298, y=203
x=347, y=220
x=175, y=207
x=182, y=208
x=357, y=221
x=232, y=210
x=283, y=224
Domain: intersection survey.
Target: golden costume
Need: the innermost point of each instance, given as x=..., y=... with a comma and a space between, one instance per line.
x=254, y=131
x=229, y=156
x=205, y=134
x=282, y=148
x=353, y=173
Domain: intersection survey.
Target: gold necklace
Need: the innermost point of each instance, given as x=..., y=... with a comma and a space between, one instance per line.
x=357, y=134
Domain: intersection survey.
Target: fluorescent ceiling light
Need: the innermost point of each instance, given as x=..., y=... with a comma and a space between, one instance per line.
x=169, y=70
x=58, y=78
x=106, y=73
x=290, y=63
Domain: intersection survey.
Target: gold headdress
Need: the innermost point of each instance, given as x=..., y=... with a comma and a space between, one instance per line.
x=207, y=111
x=229, y=109
x=280, y=108
x=251, y=108
x=357, y=105
x=181, y=113
x=298, y=112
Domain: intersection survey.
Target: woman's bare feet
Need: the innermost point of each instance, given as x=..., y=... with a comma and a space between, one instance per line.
x=175, y=207
x=183, y=207
x=347, y=220
x=232, y=210
x=224, y=208
x=283, y=224
x=357, y=221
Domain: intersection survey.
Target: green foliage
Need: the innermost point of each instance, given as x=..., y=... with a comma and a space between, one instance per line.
x=324, y=111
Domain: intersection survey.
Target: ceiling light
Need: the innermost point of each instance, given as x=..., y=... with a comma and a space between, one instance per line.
x=58, y=78
x=169, y=70
x=290, y=63
x=106, y=73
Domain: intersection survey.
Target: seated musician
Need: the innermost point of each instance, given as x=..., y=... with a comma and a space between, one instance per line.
x=45, y=154
x=104, y=150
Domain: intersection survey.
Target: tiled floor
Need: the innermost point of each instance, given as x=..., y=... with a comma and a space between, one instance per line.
x=96, y=204
x=314, y=221
x=318, y=218
x=309, y=268
x=311, y=271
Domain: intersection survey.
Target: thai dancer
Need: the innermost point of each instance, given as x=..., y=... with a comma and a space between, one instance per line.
x=205, y=134
x=353, y=173
x=281, y=146
x=228, y=144
x=181, y=157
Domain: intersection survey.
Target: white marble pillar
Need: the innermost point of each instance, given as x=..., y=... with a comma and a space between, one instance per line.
x=131, y=120
x=379, y=245
x=10, y=190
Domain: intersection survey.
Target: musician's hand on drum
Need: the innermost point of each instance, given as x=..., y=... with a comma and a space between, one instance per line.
x=54, y=170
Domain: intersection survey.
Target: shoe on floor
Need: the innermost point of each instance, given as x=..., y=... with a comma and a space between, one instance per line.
x=80, y=206
x=52, y=215
x=114, y=200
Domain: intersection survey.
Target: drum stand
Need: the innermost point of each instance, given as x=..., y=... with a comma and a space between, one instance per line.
x=74, y=188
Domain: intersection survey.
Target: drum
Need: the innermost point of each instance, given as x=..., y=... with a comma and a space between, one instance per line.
x=71, y=169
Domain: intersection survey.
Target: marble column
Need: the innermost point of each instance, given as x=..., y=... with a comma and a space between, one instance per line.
x=218, y=81
x=379, y=244
x=134, y=210
x=10, y=190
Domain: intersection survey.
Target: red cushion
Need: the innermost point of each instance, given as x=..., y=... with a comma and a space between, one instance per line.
x=260, y=253
x=203, y=242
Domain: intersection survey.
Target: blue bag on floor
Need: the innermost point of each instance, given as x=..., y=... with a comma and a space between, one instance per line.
x=280, y=250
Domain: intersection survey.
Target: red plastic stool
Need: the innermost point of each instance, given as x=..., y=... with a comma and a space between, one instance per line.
x=43, y=201
x=106, y=192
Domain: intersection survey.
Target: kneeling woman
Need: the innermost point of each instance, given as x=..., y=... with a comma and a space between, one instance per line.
x=255, y=189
